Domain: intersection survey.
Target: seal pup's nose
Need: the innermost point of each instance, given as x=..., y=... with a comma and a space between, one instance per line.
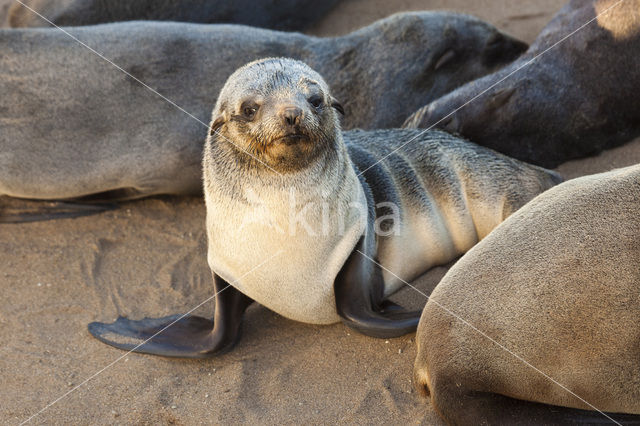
x=291, y=115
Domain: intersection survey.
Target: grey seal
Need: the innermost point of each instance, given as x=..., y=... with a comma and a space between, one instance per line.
x=284, y=15
x=557, y=284
x=574, y=100
x=312, y=222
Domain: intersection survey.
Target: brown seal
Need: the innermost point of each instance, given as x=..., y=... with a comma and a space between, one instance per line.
x=557, y=286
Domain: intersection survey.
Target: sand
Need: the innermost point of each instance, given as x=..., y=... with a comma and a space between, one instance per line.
x=148, y=258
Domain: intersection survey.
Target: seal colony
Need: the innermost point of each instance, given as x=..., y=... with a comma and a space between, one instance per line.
x=289, y=15
x=576, y=99
x=310, y=224
x=128, y=143
x=557, y=284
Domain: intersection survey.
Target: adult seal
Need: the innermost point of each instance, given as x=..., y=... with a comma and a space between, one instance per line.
x=574, y=99
x=556, y=284
x=320, y=228
x=74, y=126
x=284, y=15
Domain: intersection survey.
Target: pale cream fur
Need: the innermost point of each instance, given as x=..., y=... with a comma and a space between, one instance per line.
x=298, y=282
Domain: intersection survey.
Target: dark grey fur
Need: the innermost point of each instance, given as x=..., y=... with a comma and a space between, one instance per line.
x=447, y=167
x=71, y=125
x=575, y=100
x=291, y=15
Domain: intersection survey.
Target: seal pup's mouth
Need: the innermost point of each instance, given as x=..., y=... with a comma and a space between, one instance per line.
x=291, y=138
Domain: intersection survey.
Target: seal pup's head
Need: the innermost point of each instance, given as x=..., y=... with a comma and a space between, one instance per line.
x=277, y=113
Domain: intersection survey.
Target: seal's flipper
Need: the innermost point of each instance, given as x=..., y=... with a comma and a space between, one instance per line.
x=462, y=406
x=389, y=307
x=113, y=195
x=169, y=336
x=46, y=210
x=181, y=336
x=359, y=292
x=379, y=324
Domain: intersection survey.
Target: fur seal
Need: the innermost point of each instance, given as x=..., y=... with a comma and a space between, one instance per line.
x=284, y=15
x=575, y=100
x=558, y=284
x=65, y=133
x=334, y=207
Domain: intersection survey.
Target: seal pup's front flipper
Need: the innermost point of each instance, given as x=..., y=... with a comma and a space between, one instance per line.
x=359, y=292
x=46, y=210
x=180, y=336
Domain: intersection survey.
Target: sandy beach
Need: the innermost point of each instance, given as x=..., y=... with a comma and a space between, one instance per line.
x=148, y=258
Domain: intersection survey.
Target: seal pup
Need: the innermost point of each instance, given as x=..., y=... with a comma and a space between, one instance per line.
x=69, y=134
x=283, y=15
x=558, y=284
x=311, y=224
x=575, y=100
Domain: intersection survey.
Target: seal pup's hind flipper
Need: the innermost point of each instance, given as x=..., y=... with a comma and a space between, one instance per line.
x=46, y=210
x=359, y=292
x=181, y=336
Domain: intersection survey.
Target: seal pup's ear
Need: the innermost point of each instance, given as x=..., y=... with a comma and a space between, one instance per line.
x=217, y=123
x=335, y=104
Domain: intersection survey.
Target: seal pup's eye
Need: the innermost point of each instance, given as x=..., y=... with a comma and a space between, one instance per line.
x=315, y=101
x=249, y=111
